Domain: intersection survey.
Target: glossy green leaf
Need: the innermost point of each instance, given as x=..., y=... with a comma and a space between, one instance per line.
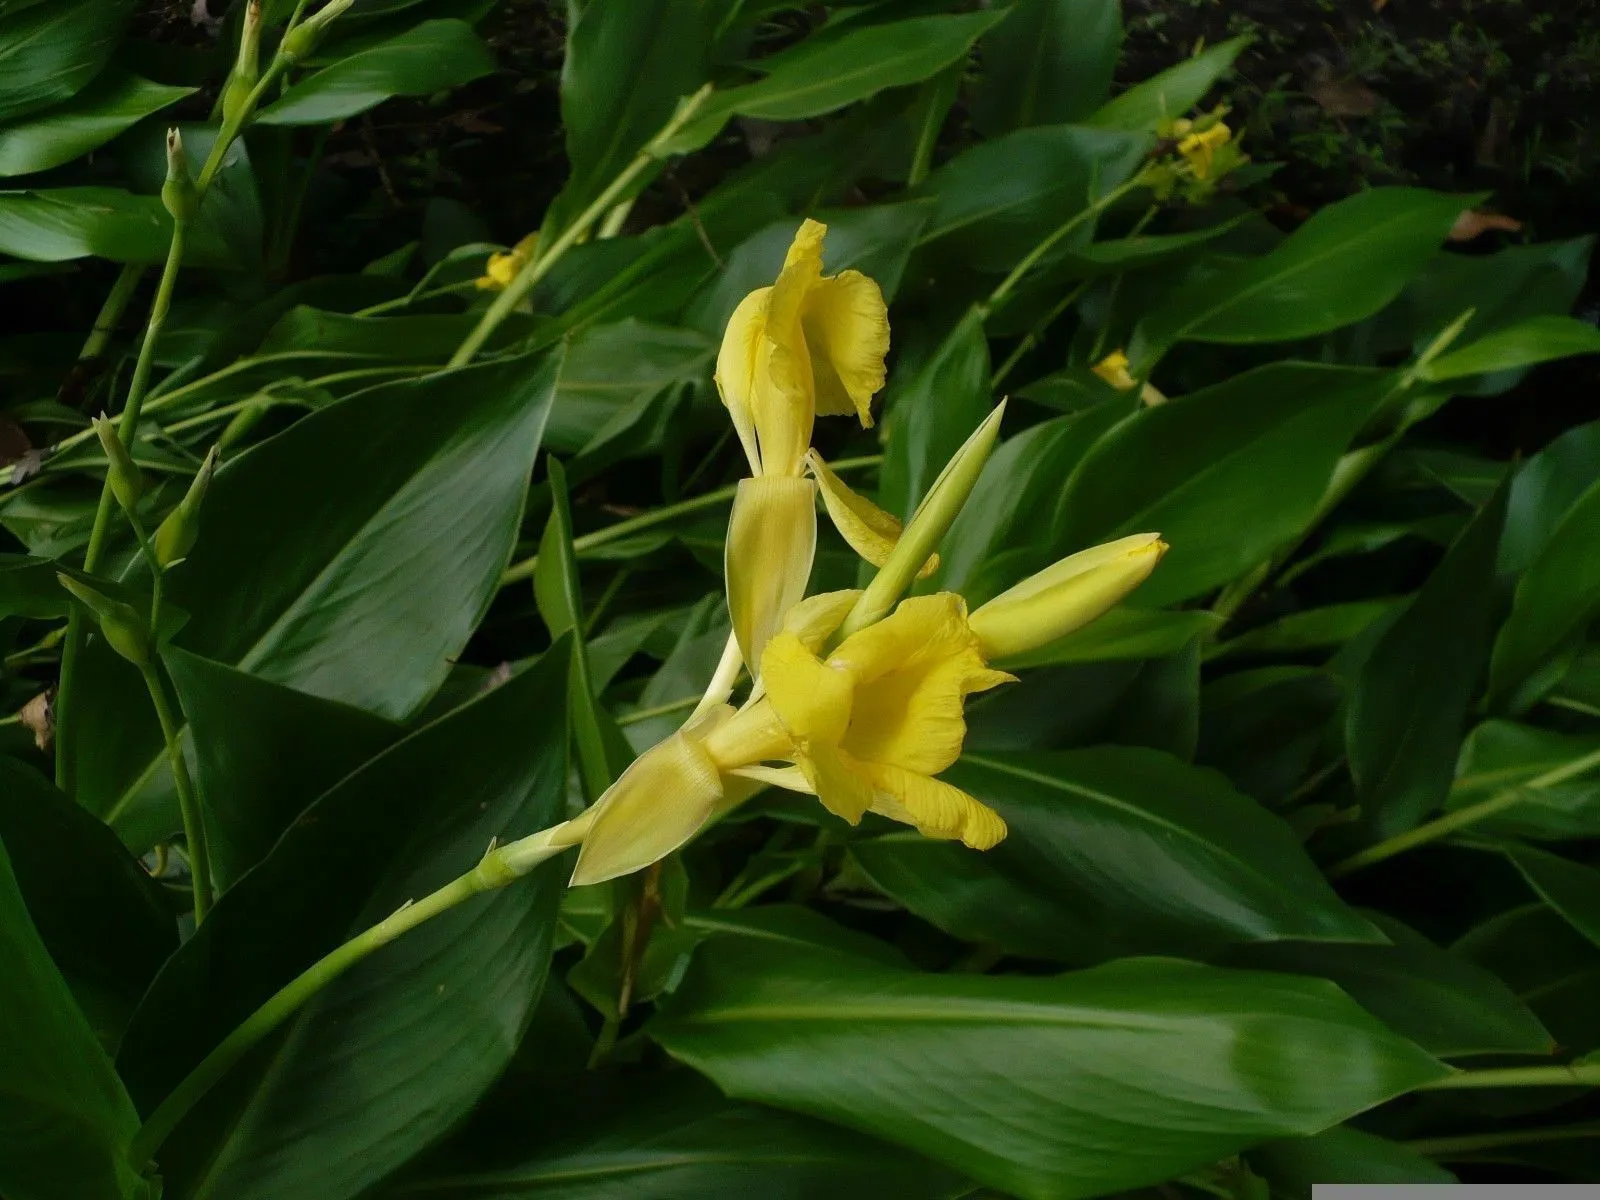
x=1049, y=62
x=51, y=51
x=1306, y=285
x=609, y=367
x=1323, y=628
x=1171, y=93
x=1502, y=755
x=1409, y=703
x=1226, y=474
x=262, y=753
x=392, y=1054
x=1558, y=594
x=1341, y=1155
x=821, y=75
x=1535, y=340
x=434, y=56
x=1543, y=489
x=1571, y=888
x=65, y=1121
x=1265, y=728
x=56, y=224
x=1113, y=850
x=1046, y=1088
x=91, y=118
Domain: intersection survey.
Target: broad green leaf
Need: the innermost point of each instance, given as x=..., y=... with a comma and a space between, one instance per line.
x=1559, y=593
x=1323, y=628
x=262, y=753
x=1311, y=283
x=1124, y=632
x=819, y=76
x=432, y=338
x=1045, y=1088
x=91, y=118
x=609, y=367
x=56, y=224
x=434, y=56
x=1409, y=702
x=1341, y=1155
x=1170, y=94
x=1534, y=340
x=1113, y=850
x=1049, y=62
x=1551, y=966
x=1499, y=756
x=1446, y=1004
x=65, y=1121
x=1570, y=888
x=51, y=51
x=106, y=923
x=1000, y=198
x=1265, y=728
x=1226, y=474
x=1542, y=491
x=395, y=1052
x=791, y=924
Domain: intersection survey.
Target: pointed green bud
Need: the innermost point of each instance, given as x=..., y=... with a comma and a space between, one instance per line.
x=927, y=527
x=126, y=482
x=300, y=41
x=178, y=192
x=124, y=628
x=177, y=534
x=246, y=68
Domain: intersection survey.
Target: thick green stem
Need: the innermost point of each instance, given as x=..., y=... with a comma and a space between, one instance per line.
x=1578, y=1074
x=1443, y=826
x=506, y=302
x=1474, y=1143
x=194, y=829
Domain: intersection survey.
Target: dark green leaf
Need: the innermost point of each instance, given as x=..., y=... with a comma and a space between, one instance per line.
x=1264, y=728
x=56, y=224
x=50, y=51
x=1123, y=632
x=1545, y=487
x=1551, y=966
x=790, y=924
x=392, y=1054
x=1570, y=888
x=1534, y=340
x=1047, y=1088
x=430, y=58
x=1170, y=94
x=91, y=118
x=1502, y=755
x=1341, y=1155
x=1049, y=62
x=1314, y=629
x=609, y=367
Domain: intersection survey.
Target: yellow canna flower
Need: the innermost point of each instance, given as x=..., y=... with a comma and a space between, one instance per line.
x=870, y=532
x=772, y=539
x=1066, y=596
x=502, y=268
x=1198, y=149
x=1113, y=368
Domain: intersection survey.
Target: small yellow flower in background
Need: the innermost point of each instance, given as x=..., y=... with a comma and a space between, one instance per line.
x=1113, y=368
x=503, y=267
x=1199, y=149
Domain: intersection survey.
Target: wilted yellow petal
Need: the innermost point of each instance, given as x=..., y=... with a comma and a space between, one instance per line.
x=811, y=698
x=870, y=531
x=936, y=808
x=772, y=538
x=846, y=325
x=815, y=618
x=738, y=361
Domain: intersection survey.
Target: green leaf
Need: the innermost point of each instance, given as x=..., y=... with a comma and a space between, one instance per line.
x=392, y=1054
x=262, y=753
x=1534, y=340
x=1226, y=474
x=1113, y=850
x=50, y=51
x=1558, y=595
x=1447, y=1004
x=1171, y=93
x=65, y=1121
x=1323, y=628
x=56, y=224
x=821, y=75
x=1502, y=755
x=1046, y=1088
x=91, y=118
x=434, y=56
x=609, y=367
x=1341, y=1155
x=1049, y=62
x=1570, y=888
x=1345, y=263
x=1547, y=963
x=1265, y=728
x=1123, y=633
x=1407, y=708
x=1542, y=492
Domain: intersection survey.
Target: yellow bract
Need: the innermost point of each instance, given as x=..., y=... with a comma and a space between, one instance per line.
x=1198, y=149
x=870, y=532
x=1113, y=368
x=502, y=268
x=772, y=538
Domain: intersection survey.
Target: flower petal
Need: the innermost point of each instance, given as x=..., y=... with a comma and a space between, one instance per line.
x=741, y=355
x=844, y=789
x=870, y=531
x=846, y=324
x=811, y=698
x=782, y=400
x=815, y=618
x=936, y=808
x=772, y=538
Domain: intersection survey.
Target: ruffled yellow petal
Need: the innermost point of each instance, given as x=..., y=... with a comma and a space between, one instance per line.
x=846, y=325
x=811, y=698
x=772, y=538
x=843, y=787
x=936, y=808
x=741, y=355
x=870, y=531
x=815, y=618
x=782, y=401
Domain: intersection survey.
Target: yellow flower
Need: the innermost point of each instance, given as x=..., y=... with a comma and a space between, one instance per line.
x=1198, y=149
x=502, y=268
x=1113, y=368
x=870, y=532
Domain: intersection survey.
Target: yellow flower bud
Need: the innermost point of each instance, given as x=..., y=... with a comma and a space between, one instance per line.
x=1065, y=596
x=1113, y=368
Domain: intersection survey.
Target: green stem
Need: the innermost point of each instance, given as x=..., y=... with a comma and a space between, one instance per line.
x=1579, y=1074
x=660, y=710
x=406, y=301
x=530, y=275
x=1033, y=335
x=1443, y=826
x=1088, y=213
x=105, y=324
x=659, y=516
x=1472, y=1143
x=194, y=830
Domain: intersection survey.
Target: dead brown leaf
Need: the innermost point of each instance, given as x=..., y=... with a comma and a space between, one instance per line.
x=14, y=441
x=1475, y=222
x=1343, y=97
x=39, y=716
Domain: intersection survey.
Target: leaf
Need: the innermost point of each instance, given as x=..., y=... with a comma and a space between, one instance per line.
x=609, y=367
x=1049, y=62
x=1123, y=633
x=1570, y=888
x=1558, y=595
x=262, y=753
x=822, y=75
x=1226, y=475
x=1310, y=283
x=389, y=1056
x=93, y=117
x=1446, y=1004
x=1171, y=93
x=1117, y=850
x=1046, y=1088
x=1547, y=963
x=1324, y=628
x=1502, y=755
x=1296, y=1166
x=50, y=51
x=65, y=1121
x=1403, y=727
x=56, y=224
x=1543, y=490
x=1264, y=728
x=1534, y=340
x=432, y=57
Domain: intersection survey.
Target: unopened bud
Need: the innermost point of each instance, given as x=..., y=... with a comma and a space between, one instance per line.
x=300, y=41
x=178, y=192
x=1066, y=596
x=177, y=534
x=124, y=628
x=246, y=68
x=126, y=482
